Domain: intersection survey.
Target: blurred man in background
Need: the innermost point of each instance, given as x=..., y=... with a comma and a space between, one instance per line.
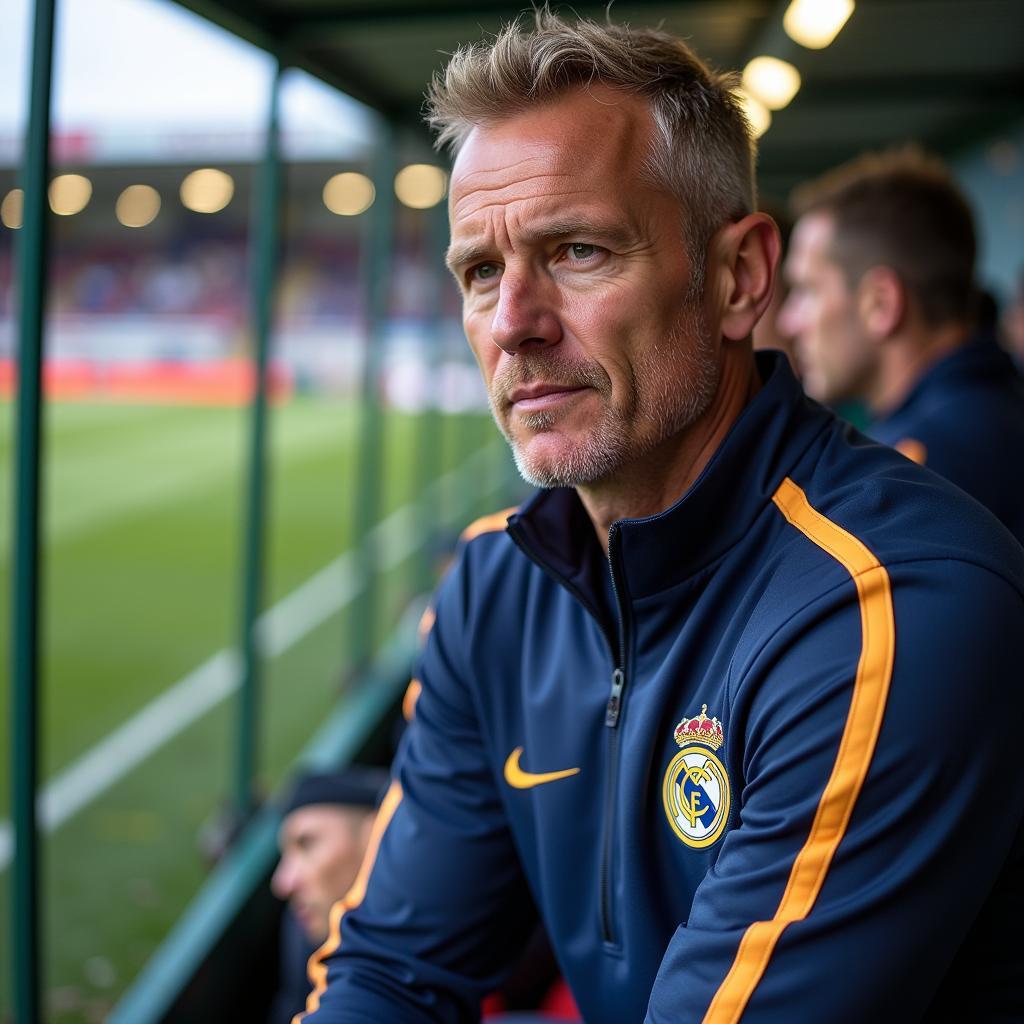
x=768, y=333
x=323, y=838
x=326, y=830
x=883, y=308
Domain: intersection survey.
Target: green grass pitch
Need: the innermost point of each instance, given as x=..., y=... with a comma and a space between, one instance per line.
x=141, y=584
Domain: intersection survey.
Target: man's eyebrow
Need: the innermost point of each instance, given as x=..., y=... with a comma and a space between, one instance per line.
x=466, y=253
x=570, y=227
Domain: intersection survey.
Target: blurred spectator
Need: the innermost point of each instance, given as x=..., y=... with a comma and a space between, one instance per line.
x=198, y=277
x=324, y=835
x=768, y=332
x=884, y=310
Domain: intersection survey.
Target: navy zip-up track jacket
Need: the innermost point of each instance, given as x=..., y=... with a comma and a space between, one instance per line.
x=762, y=764
x=964, y=419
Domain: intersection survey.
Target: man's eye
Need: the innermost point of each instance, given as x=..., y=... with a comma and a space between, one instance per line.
x=484, y=272
x=582, y=251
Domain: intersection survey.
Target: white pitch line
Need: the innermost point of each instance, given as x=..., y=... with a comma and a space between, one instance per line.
x=306, y=607
x=278, y=629
x=112, y=758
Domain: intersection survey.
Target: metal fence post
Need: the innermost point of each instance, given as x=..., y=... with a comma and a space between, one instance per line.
x=378, y=257
x=31, y=269
x=429, y=435
x=267, y=223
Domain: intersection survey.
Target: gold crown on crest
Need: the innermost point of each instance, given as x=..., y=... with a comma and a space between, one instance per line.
x=700, y=730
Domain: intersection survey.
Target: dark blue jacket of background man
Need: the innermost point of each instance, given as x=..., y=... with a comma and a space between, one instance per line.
x=964, y=419
x=763, y=763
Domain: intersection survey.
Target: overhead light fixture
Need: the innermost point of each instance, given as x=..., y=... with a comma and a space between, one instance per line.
x=137, y=206
x=772, y=81
x=207, y=190
x=69, y=194
x=759, y=116
x=815, y=23
x=421, y=186
x=348, y=194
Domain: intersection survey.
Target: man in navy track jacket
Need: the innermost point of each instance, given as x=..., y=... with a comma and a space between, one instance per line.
x=734, y=702
x=882, y=309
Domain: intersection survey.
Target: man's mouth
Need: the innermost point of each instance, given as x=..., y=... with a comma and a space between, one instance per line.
x=538, y=396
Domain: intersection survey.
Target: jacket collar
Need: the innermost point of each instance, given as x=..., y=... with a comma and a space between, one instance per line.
x=763, y=444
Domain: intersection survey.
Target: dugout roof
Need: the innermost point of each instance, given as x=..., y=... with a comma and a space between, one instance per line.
x=942, y=72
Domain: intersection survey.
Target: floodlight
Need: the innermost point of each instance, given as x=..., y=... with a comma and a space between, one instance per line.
x=207, y=190
x=772, y=81
x=11, y=209
x=137, y=206
x=69, y=194
x=348, y=194
x=815, y=23
x=420, y=186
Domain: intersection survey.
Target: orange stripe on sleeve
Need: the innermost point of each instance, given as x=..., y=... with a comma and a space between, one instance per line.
x=856, y=748
x=412, y=695
x=493, y=523
x=427, y=620
x=317, y=968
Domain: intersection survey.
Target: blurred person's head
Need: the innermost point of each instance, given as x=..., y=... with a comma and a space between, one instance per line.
x=768, y=332
x=601, y=199
x=323, y=838
x=880, y=270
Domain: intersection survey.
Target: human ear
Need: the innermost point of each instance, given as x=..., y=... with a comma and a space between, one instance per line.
x=881, y=302
x=745, y=260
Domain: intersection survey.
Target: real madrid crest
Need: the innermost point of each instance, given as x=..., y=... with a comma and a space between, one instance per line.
x=696, y=788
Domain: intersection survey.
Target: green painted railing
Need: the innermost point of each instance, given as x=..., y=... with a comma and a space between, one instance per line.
x=376, y=273
x=25, y=599
x=267, y=223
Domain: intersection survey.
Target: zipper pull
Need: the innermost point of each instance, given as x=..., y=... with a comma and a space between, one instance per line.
x=611, y=715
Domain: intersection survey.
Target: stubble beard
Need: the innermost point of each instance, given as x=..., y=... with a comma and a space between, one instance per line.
x=672, y=387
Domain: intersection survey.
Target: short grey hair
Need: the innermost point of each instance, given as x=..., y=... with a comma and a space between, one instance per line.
x=703, y=152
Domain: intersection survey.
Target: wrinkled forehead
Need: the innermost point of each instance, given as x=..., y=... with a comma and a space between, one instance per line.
x=590, y=141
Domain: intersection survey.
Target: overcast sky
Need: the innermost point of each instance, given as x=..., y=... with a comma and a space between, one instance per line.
x=125, y=65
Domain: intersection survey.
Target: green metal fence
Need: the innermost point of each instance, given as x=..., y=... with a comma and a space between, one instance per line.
x=25, y=578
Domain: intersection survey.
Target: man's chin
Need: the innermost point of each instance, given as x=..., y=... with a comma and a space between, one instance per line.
x=815, y=387
x=313, y=927
x=551, y=459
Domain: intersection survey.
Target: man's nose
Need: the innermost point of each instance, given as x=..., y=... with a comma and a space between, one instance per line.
x=283, y=881
x=788, y=320
x=525, y=316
